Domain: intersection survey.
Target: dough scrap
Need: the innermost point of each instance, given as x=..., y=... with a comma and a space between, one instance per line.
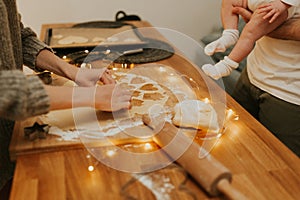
x=136, y=102
x=98, y=39
x=137, y=80
x=196, y=114
x=148, y=87
x=73, y=40
x=136, y=93
x=153, y=96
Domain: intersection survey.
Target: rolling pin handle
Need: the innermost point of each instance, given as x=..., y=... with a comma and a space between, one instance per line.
x=230, y=192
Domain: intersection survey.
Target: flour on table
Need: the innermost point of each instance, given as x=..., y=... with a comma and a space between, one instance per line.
x=64, y=135
x=111, y=129
x=159, y=185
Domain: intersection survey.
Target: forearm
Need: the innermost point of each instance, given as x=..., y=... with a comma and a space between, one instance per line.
x=290, y=30
x=106, y=97
x=31, y=46
x=21, y=96
x=64, y=97
x=48, y=61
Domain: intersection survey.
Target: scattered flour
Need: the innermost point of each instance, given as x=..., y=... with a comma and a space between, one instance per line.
x=159, y=185
x=64, y=135
x=105, y=131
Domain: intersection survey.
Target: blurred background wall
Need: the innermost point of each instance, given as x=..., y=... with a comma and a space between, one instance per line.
x=194, y=18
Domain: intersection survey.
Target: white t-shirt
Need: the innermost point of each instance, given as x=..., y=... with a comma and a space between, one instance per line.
x=274, y=66
x=253, y=4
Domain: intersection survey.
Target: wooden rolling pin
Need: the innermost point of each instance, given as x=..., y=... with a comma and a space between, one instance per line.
x=214, y=177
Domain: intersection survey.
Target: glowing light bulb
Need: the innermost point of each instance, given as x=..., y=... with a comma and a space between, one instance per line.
x=91, y=168
x=162, y=69
x=110, y=153
x=64, y=57
x=132, y=65
x=148, y=146
x=206, y=100
x=172, y=79
x=229, y=113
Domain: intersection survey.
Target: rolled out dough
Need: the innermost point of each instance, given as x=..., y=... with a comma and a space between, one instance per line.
x=73, y=40
x=196, y=114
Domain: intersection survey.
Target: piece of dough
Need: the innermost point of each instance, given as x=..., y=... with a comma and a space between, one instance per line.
x=98, y=39
x=195, y=114
x=73, y=40
x=149, y=87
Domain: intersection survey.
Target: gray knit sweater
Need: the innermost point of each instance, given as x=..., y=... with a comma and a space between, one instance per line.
x=21, y=96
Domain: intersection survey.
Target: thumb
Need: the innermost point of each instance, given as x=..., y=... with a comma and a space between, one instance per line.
x=246, y=14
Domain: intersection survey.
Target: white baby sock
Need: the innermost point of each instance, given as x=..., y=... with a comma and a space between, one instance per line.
x=222, y=68
x=229, y=37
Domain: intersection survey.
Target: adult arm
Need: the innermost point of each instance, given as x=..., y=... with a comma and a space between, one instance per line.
x=21, y=96
x=289, y=30
x=39, y=56
x=106, y=98
x=26, y=96
x=83, y=77
x=31, y=46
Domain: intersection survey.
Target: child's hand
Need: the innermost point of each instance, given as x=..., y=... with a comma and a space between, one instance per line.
x=273, y=9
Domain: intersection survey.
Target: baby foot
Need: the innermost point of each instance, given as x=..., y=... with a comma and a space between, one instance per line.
x=221, y=69
x=229, y=37
x=213, y=47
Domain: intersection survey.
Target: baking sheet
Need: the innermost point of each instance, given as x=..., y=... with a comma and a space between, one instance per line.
x=86, y=37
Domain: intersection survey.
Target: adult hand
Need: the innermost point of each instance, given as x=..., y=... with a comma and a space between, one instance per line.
x=112, y=98
x=256, y=18
x=89, y=77
x=243, y=12
x=273, y=10
x=289, y=30
x=82, y=76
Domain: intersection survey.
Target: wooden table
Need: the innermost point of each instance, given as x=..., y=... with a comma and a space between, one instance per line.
x=262, y=167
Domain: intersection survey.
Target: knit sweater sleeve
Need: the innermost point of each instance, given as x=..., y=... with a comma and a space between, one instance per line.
x=21, y=96
x=31, y=47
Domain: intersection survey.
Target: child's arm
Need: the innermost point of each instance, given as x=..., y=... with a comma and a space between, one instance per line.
x=289, y=30
x=273, y=9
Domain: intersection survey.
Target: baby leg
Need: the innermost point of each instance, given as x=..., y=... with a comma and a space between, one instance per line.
x=254, y=29
x=230, y=34
x=230, y=19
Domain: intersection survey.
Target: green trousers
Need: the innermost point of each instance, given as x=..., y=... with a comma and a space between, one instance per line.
x=280, y=117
